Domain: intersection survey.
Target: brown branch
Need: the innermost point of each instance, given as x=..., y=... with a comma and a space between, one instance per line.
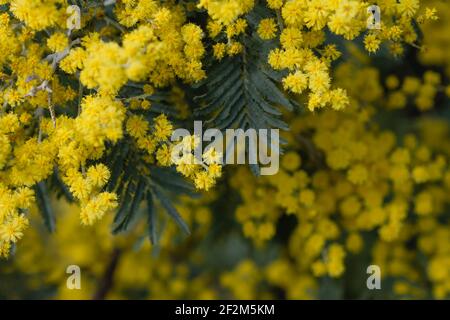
x=315, y=155
x=107, y=282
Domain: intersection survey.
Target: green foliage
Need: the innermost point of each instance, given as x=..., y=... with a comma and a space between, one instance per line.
x=43, y=201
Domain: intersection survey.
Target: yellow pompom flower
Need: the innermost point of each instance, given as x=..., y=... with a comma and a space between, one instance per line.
x=372, y=43
x=96, y=207
x=220, y=50
x=98, y=175
x=267, y=28
x=12, y=229
x=57, y=42
x=296, y=82
x=408, y=7
x=164, y=156
x=162, y=128
x=203, y=181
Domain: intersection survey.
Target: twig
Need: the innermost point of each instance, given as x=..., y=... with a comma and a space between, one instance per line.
x=39, y=113
x=80, y=95
x=51, y=109
x=114, y=24
x=45, y=86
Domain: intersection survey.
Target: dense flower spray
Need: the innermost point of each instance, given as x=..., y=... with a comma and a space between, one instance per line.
x=88, y=111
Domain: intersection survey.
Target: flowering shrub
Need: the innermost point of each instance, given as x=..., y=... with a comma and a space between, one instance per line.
x=91, y=96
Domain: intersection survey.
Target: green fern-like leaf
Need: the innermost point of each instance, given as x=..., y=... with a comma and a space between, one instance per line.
x=241, y=91
x=136, y=182
x=43, y=202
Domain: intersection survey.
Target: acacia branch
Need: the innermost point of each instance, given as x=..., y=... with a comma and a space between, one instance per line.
x=107, y=281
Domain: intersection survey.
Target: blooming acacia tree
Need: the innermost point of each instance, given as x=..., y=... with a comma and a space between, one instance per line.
x=88, y=109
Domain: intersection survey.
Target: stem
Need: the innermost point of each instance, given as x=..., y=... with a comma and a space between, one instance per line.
x=142, y=96
x=51, y=109
x=280, y=20
x=39, y=114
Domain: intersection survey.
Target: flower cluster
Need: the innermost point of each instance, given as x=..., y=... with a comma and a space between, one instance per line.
x=365, y=179
x=299, y=26
x=41, y=136
x=420, y=92
x=155, y=141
